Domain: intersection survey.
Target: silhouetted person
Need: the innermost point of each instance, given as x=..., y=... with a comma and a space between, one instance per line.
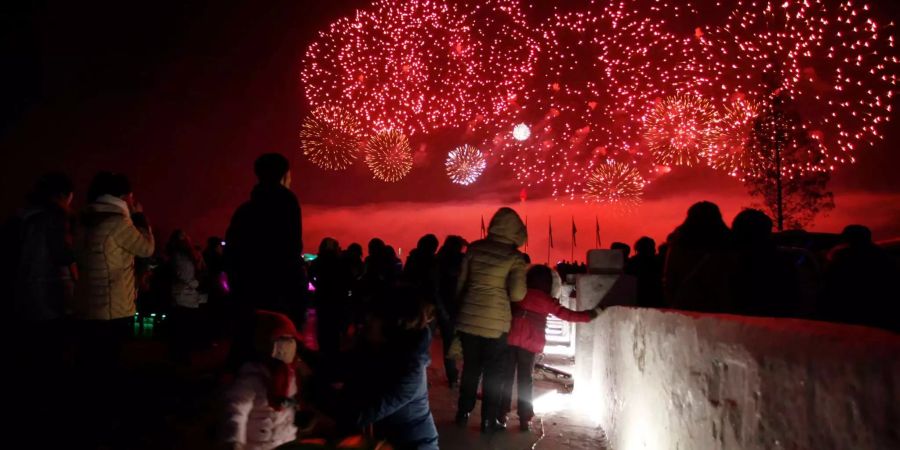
x=264, y=245
x=42, y=258
x=387, y=387
x=492, y=276
x=376, y=252
x=188, y=268
x=527, y=338
x=393, y=263
x=39, y=275
x=332, y=280
x=449, y=264
x=112, y=232
x=695, y=275
x=421, y=265
x=646, y=268
x=762, y=279
x=860, y=282
x=214, y=259
x=623, y=247
x=379, y=267
x=353, y=257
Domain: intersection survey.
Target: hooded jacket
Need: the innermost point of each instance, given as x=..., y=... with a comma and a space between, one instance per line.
x=105, y=247
x=492, y=276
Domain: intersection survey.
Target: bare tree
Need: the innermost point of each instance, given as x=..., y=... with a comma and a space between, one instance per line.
x=787, y=168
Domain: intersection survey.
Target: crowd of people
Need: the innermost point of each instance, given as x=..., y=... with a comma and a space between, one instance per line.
x=83, y=276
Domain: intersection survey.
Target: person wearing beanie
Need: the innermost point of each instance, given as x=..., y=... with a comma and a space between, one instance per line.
x=261, y=403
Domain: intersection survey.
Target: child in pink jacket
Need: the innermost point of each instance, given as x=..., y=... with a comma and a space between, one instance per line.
x=526, y=338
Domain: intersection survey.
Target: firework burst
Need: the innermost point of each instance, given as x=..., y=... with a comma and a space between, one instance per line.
x=679, y=130
x=419, y=65
x=388, y=156
x=612, y=182
x=831, y=60
x=598, y=71
x=465, y=164
x=734, y=130
x=330, y=138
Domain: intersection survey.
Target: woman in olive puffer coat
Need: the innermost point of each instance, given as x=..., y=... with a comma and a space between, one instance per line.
x=492, y=276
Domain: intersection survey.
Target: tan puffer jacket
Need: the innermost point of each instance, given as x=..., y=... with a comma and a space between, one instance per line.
x=492, y=276
x=105, y=247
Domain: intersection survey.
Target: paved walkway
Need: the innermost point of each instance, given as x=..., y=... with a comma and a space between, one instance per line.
x=560, y=425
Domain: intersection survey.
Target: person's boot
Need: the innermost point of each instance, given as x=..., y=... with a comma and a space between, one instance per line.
x=524, y=425
x=492, y=425
x=462, y=418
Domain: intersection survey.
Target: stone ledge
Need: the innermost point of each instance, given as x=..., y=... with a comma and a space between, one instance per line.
x=664, y=379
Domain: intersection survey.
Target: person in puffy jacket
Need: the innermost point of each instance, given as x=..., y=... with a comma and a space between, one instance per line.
x=527, y=338
x=260, y=405
x=112, y=233
x=492, y=276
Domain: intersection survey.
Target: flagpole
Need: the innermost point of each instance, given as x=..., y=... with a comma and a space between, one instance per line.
x=526, y=234
x=573, y=239
x=550, y=240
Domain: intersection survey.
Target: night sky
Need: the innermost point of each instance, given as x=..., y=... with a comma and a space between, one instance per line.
x=182, y=96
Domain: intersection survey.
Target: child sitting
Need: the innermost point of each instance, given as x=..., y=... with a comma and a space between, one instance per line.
x=526, y=338
x=260, y=405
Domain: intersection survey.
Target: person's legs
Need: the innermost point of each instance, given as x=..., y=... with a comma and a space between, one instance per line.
x=494, y=369
x=506, y=386
x=447, y=333
x=328, y=332
x=472, y=367
x=525, y=369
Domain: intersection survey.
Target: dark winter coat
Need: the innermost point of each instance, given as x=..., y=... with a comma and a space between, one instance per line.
x=390, y=390
x=647, y=269
x=696, y=272
x=42, y=277
x=264, y=249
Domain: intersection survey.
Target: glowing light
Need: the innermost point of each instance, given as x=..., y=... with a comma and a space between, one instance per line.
x=551, y=402
x=465, y=164
x=331, y=138
x=614, y=182
x=521, y=132
x=388, y=156
x=679, y=130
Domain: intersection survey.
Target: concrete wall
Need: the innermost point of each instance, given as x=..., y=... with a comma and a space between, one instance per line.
x=671, y=380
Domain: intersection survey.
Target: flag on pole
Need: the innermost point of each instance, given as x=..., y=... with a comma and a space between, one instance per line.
x=597, y=232
x=483, y=229
x=550, y=230
x=574, y=231
x=526, y=234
